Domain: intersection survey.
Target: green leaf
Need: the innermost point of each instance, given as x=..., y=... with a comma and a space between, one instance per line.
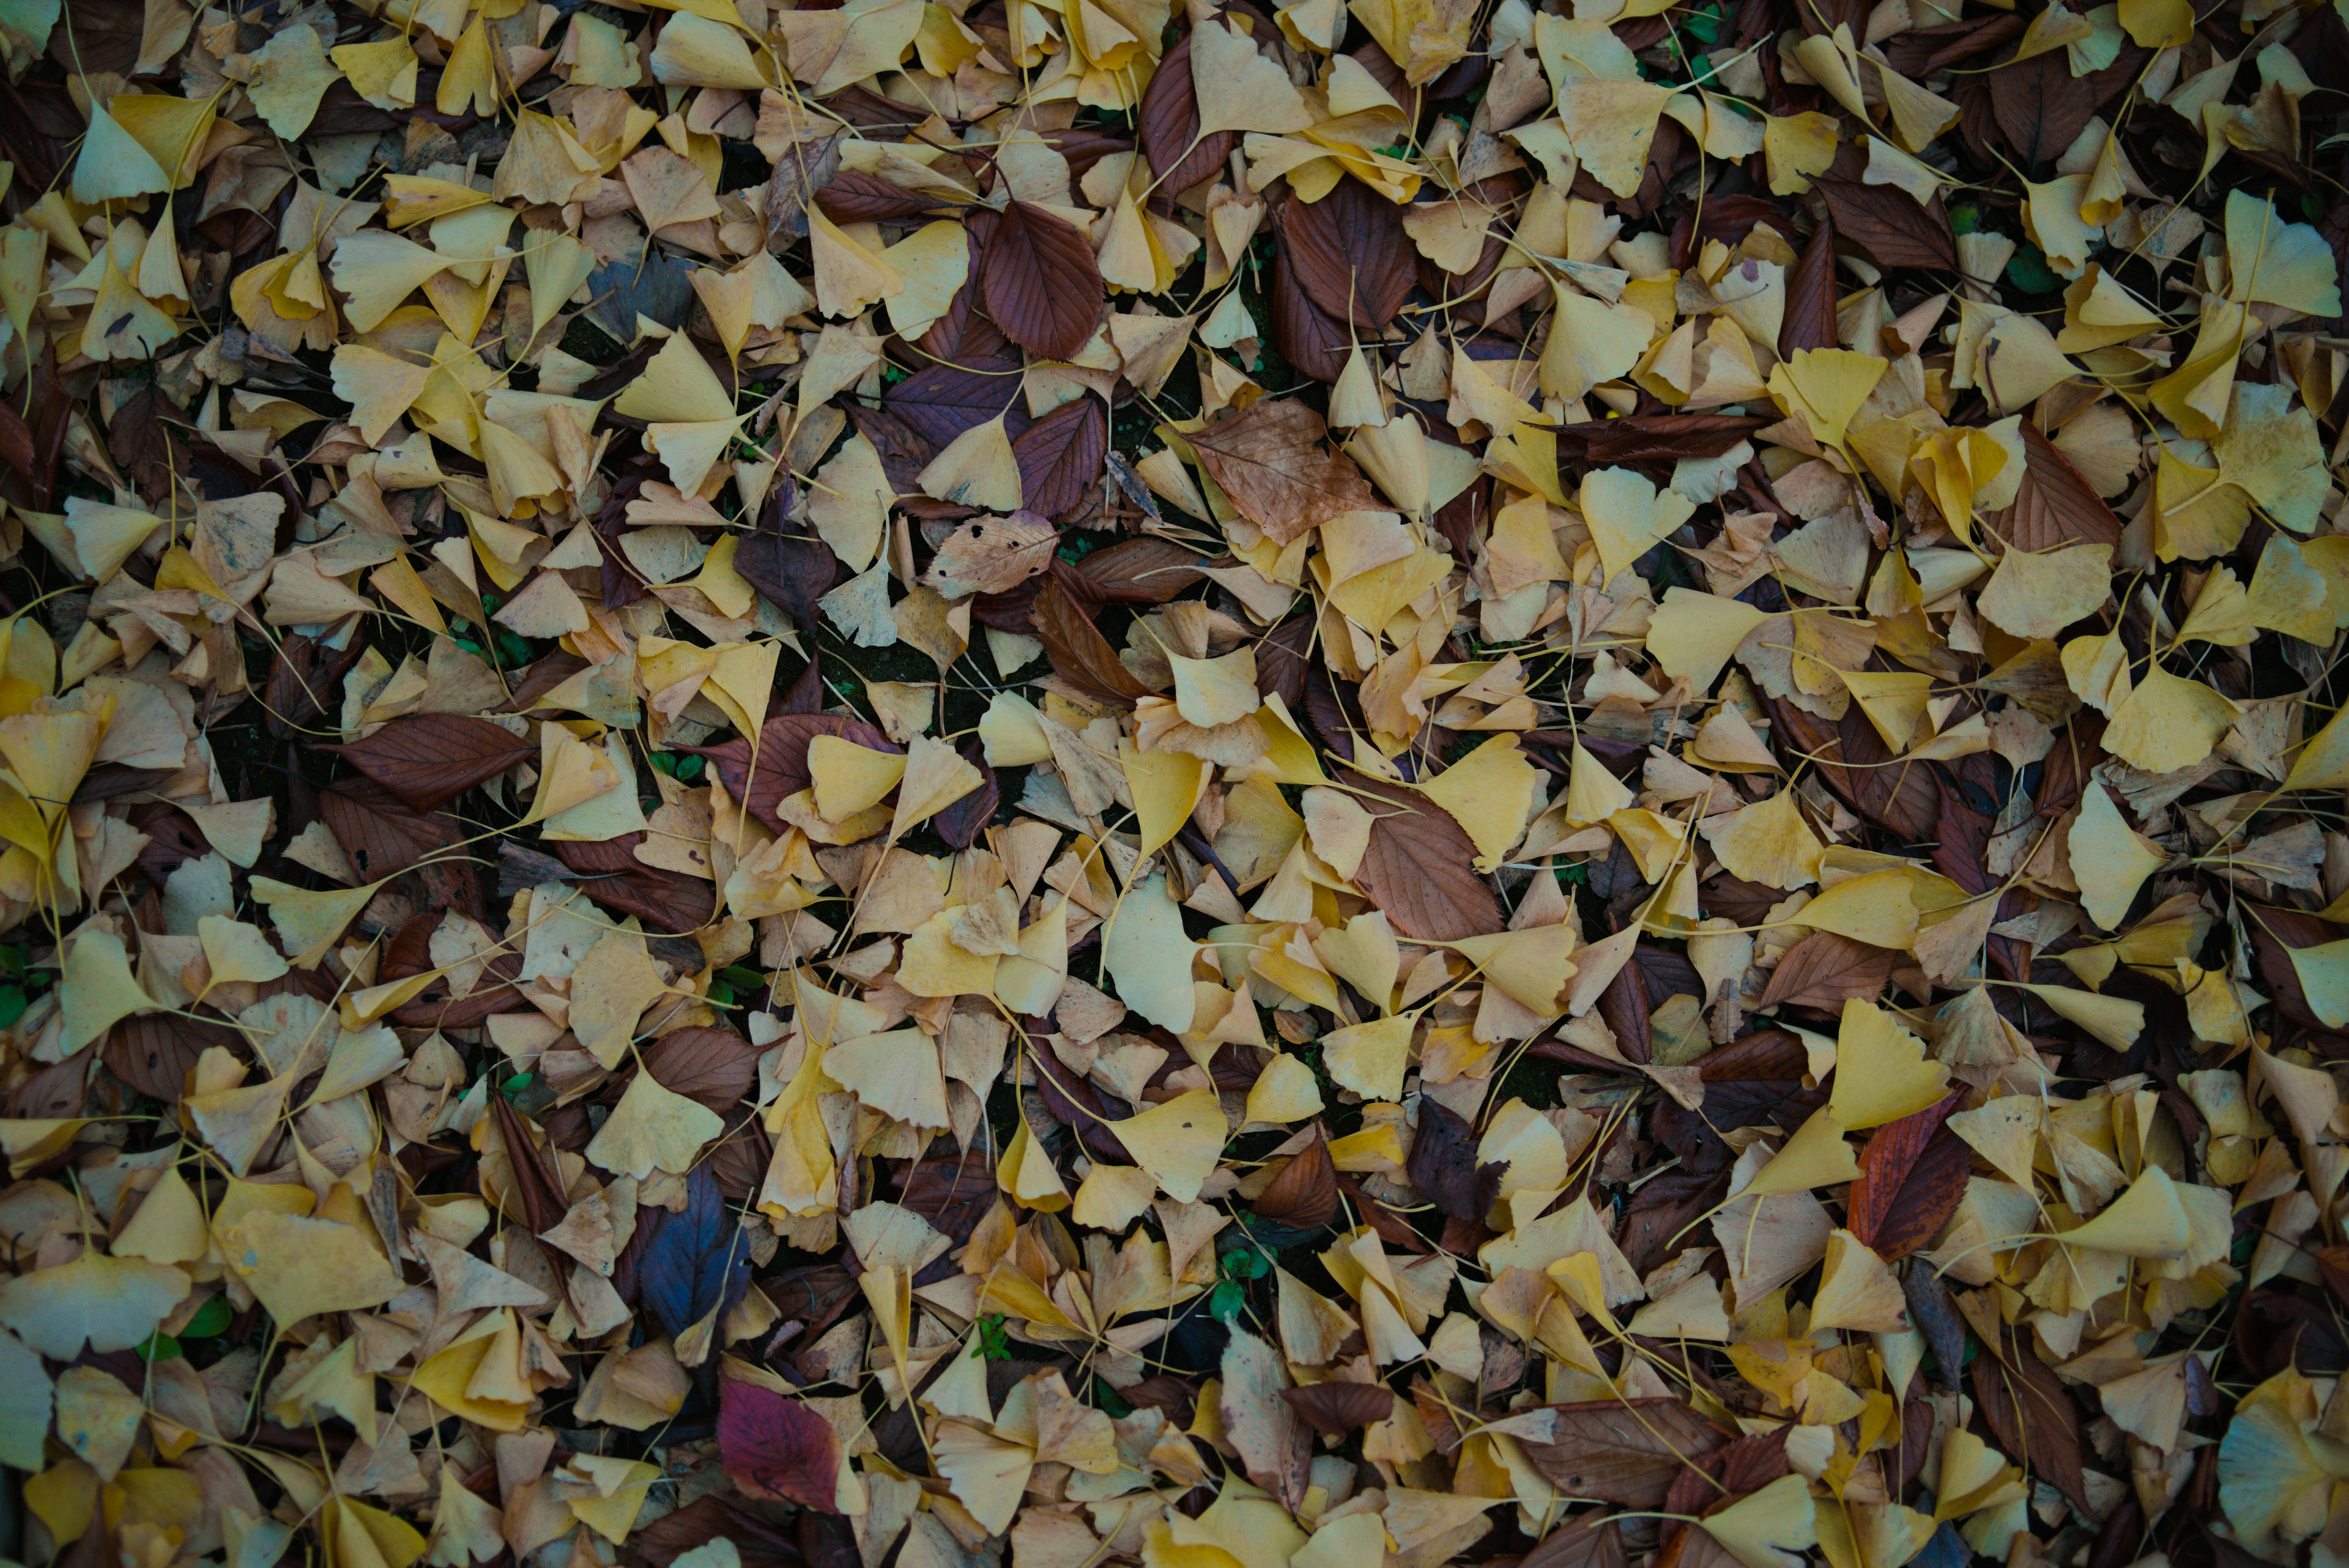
x=720, y=995
x=1224, y=1302
x=741, y=979
x=213, y=1317
x=2029, y=271
x=994, y=1344
x=157, y=1346
x=12, y=1004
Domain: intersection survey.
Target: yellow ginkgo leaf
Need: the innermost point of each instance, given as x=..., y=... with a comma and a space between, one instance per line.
x=1767, y=1528
x=653, y=1128
x=1882, y=1072
x=2110, y=860
x=1177, y=1141
x=1628, y=515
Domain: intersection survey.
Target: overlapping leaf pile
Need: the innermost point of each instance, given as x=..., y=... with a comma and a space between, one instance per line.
x=1235, y=787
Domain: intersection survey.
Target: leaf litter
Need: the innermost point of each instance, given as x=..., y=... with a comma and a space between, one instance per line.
x=1224, y=786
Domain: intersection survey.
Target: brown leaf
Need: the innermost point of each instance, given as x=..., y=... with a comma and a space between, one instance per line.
x=1060, y=456
x=716, y=1067
x=1657, y=1222
x=303, y=680
x=2030, y=1412
x=1825, y=969
x=800, y=169
x=1271, y=462
x=777, y=767
x=777, y=1448
x=154, y=1052
x=1624, y=1451
x=1443, y=1165
x=1305, y=1193
x=961, y=823
x=1591, y=1541
x=1144, y=571
x=1283, y=657
x=940, y=401
x=429, y=759
x=1334, y=1409
x=1352, y=258
x=1912, y=1175
x=1903, y=797
x=2053, y=504
x=2042, y=108
x=793, y=574
x=1920, y=51
x=610, y=873
x=760, y=1543
x=1889, y=225
x=1078, y=652
x=381, y=834
x=1653, y=438
x=855, y=197
x=1810, y=318
x=1314, y=342
x=1623, y=1007
x=1041, y=282
x=1267, y=1430
x=1169, y=120
x=1419, y=868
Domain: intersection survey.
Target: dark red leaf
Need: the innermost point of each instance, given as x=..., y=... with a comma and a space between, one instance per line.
x=1810, y=318
x=1334, y=1409
x=610, y=873
x=1352, y=256
x=939, y=402
x=1060, y=456
x=1144, y=571
x=1041, y=282
x=1911, y=1176
x=1171, y=143
x=853, y=197
x=1308, y=336
x=961, y=823
x=2030, y=1413
x=777, y=767
x=793, y=574
x=1419, y=867
x=1080, y=654
x=1305, y=1193
x=2042, y=108
x=716, y=1067
x=2054, y=504
x=1623, y=1450
x=429, y=759
x=1889, y=225
x=1825, y=969
x=381, y=834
